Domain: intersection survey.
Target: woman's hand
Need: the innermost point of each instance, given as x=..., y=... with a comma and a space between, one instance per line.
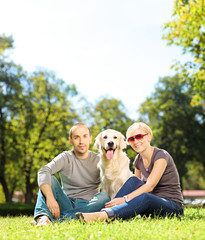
x=115, y=202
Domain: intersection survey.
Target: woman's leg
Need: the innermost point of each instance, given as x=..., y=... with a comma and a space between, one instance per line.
x=145, y=204
x=129, y=186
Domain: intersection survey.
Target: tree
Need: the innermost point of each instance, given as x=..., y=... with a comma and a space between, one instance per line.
x=177, y=126
x=43, y=122
x=187, y=29
x=194, y=178
x=36, y=114
x=110, y=113
x=10, y=96
x=6, y=42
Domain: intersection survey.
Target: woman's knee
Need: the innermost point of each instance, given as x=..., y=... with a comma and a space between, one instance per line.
x=135, y=181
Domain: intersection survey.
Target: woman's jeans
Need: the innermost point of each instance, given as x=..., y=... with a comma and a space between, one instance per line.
x=144, y=204
x=68, y=206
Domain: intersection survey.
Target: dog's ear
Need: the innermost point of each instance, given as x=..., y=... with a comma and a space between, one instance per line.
x=123, y=143
x=97, y=142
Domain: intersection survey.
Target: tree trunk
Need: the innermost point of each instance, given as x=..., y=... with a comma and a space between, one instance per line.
x=3, y=158
x=5, y=189
x=29, y=190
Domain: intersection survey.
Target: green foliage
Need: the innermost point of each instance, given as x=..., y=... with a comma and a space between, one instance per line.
x=2, y=196
x=187, y=29
x=177, y=126
x=45, y=118
x=110, y=113
x=6, y=42
x=36, y=113
x=194, y=178
x=10, y=102
x=191, y=226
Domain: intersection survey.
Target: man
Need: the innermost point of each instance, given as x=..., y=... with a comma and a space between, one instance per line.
x=80, y=179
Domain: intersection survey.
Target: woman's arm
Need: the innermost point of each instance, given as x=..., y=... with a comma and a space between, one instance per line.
x=152, y=181
x=137, y=173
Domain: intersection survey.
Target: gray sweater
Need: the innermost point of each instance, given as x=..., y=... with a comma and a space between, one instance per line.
x=80, y=178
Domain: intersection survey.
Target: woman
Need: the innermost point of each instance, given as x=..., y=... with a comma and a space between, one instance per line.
x=155, y=188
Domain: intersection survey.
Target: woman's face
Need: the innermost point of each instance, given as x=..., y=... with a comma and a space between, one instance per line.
x=139, y=140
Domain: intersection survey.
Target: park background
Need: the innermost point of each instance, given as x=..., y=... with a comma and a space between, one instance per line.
x=108, y=64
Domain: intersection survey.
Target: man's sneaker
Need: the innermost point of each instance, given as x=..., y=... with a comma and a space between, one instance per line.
x=33, y=222
x=43, y=221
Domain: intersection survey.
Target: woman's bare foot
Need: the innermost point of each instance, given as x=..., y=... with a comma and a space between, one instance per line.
x=93, y=217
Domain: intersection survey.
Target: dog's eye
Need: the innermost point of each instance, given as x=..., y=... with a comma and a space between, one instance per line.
x=115, y=137
x=105, y=137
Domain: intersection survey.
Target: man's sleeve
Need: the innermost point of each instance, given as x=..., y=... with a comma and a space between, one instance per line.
x=56, y=165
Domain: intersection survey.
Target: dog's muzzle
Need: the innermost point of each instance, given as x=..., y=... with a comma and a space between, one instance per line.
x=110, y=151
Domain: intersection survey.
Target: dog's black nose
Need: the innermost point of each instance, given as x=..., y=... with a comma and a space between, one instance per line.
x=111, y=144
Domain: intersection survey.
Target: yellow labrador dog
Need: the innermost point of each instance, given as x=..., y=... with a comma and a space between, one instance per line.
x=114, y=163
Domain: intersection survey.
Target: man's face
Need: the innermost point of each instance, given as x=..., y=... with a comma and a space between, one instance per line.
x=80, y=140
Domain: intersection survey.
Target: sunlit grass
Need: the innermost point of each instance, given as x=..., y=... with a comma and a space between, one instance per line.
x=191, y=226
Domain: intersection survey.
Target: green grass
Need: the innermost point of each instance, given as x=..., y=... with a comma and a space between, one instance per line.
x=191, y=226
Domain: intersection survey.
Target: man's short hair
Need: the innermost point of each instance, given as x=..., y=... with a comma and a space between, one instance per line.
x=78, y=125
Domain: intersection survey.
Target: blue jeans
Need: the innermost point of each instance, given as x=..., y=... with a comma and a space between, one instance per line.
x=144, y=204
x=68, y=206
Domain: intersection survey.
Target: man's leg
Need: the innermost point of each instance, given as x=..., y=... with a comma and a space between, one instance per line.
x=41, y=209
x=95, y=204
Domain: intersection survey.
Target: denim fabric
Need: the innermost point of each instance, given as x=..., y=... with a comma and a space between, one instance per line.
x=68, y=206
x=144, y=204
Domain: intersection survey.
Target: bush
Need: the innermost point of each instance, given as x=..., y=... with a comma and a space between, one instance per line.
x=16, y=209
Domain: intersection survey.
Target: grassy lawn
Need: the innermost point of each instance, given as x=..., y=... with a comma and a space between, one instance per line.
x=191, y=226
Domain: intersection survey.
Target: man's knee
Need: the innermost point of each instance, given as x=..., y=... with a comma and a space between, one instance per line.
x=103, y=197
x=54, y=182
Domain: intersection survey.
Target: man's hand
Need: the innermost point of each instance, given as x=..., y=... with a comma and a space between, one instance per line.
x=115, y=202
x=53, y=207
x=50, y=200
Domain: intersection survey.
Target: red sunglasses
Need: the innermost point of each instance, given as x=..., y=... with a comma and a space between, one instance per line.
x=138, y=137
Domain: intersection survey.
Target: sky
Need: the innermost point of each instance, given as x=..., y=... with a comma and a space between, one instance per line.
x=107, y=48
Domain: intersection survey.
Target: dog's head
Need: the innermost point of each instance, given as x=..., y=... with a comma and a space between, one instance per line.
x=109, y=141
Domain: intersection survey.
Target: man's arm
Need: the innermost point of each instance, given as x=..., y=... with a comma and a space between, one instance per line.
x=44, y=182
x=50, y=200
